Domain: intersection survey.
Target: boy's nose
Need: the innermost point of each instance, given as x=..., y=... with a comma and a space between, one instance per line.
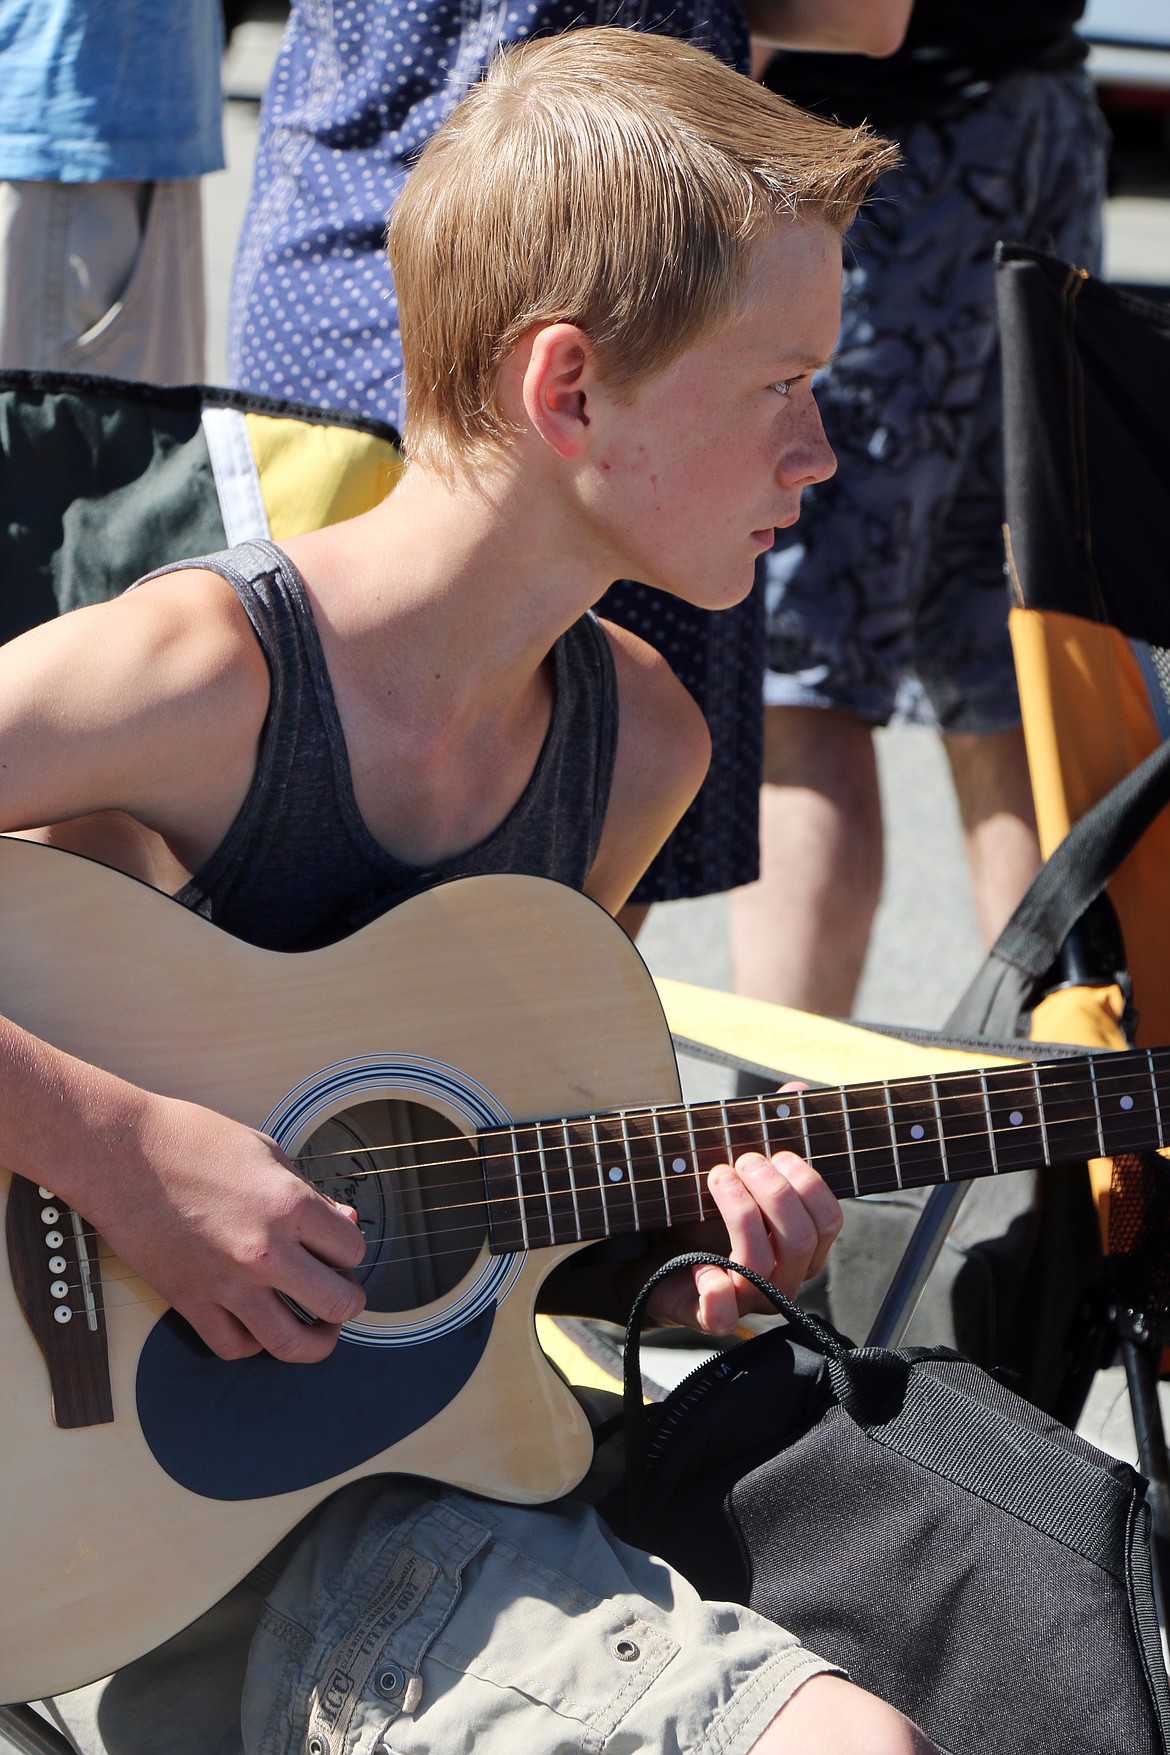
x=811, y=458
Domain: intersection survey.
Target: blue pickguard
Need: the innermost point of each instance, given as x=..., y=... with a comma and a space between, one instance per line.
x=250, y=1428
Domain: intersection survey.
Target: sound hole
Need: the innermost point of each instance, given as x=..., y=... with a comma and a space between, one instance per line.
x=418, y=1191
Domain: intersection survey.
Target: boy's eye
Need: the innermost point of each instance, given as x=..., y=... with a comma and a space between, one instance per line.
x=782, y=386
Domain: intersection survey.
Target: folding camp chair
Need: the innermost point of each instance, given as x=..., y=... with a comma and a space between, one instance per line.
x=1087, y=388
x=102, y=480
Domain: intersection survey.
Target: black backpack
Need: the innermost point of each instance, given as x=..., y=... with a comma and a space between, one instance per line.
x=954, y=1549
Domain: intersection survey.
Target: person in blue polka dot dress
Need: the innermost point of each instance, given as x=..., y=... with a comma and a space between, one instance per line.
x=358, y=87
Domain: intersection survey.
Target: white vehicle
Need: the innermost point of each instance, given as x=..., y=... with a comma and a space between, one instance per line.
x=1129, y=54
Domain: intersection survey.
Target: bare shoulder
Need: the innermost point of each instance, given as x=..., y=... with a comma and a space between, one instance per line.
x=662, y=755
x=101, y=707
x=190, y=627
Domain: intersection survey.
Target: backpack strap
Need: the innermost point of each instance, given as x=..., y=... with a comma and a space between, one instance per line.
x=817, y=1334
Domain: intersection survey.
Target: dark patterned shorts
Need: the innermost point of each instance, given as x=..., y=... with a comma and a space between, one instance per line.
x=888, y=597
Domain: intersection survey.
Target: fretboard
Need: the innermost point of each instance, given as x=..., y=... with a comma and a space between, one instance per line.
x=581, y=1178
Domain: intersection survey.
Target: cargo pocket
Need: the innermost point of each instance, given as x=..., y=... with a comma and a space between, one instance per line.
x=344, y=1632
x=533, y=1634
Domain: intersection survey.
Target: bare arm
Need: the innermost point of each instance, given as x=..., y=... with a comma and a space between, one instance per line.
x=662, y=755
x=134, y=707
x=858, y=27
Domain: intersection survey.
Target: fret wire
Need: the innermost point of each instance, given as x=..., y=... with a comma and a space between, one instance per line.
x=630, y=1168
x=572, y=1178
x=804, y=1127
x=661, y=1161
x=726, y=1130
x=1157, y=1099
x=600, y=1175
x=552, y=1230
x=762, y=1106
x=893, y=1133
x=1097, y=1106
x=938, y=1121
x=519, y=1185
x=695, y=1161
x=1040, y=1111
x=990, y=1120
x=849, y=1144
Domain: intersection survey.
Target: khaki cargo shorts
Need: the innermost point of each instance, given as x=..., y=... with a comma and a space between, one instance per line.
x=409, y=1620
x=401, y=1619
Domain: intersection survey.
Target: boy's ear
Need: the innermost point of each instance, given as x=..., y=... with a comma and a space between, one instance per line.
x=558, y=385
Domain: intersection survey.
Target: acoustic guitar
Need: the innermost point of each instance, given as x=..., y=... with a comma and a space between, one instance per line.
x=485, y=1073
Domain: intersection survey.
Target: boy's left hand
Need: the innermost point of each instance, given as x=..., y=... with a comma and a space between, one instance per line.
x=779, y=1218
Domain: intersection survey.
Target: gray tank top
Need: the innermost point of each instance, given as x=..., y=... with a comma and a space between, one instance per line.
x=298, y=867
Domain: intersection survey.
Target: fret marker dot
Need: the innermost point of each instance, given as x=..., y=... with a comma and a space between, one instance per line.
x=616, y=1174
x=678, y=1164
x=783, y=1110
x=917, y=1132
x=1015, y=1118
x=1127, y=1102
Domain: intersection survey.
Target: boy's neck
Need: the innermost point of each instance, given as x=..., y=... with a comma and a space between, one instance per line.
x=477, y=576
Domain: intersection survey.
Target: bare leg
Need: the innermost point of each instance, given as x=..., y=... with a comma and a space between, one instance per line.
x=799, y=935
x=829, y=1716
x=999, y=826
x=632, y=918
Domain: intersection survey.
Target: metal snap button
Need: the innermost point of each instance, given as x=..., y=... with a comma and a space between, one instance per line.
x=390, y=1682
x=626, y=1650
x=316, y=1745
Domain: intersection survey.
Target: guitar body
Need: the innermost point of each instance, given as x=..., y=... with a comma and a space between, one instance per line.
x=479, y=1002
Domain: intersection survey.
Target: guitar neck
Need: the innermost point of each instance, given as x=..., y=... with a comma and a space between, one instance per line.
x=576, y=1180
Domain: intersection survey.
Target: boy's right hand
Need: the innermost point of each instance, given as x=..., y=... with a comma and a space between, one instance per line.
x=213, y=1216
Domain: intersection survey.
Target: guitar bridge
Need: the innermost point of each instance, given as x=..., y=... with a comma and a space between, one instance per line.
x=56, y=1276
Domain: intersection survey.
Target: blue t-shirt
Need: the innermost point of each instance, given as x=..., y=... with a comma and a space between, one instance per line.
x=118, y=89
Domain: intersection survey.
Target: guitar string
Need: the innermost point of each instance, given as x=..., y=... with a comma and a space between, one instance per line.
x=744, y=1112
x=1027, y=1091
x=476, y=1230
x=741, y=1112
x=826, y=1162
x=478, y=1227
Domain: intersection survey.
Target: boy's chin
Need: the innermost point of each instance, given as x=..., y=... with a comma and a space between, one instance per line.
x=725, y=591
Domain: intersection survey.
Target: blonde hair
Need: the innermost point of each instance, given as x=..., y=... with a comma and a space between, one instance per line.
x=608, y=178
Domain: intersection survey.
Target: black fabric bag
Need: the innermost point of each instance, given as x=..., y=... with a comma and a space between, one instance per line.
x=954, y=1549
